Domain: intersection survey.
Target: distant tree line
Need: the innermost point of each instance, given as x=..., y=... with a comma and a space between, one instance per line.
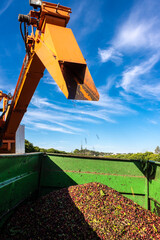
x=29, y=147
x=90, y=153
x=127, y=156
x=138, y=156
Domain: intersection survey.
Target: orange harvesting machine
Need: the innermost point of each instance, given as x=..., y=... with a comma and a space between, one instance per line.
x=52, y=46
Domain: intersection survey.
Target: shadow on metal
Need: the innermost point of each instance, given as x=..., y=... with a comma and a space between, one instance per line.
x=52, y=177
x=23, y=176
x=147, y=168
x=60, y=220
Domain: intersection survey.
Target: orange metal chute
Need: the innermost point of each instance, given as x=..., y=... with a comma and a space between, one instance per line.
x=58, y=50
x=54, y=47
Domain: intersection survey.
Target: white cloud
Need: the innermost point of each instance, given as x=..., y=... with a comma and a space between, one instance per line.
x=148, y=91
x=110, y=54
x=47, y=78
x=138, y=32
x=132, y=74
x=67, y=119
x=153, y=122
x=37, y=124
x=48, y=81
x=5, y=86
x=51, y=128
x=35, y=115
x=109, y=83
x=79, y=11
x=112, y=105
x=127, y=97
x=136, y=80
x=83, y=111
x=70, y=119
x=5, y=5
x=85, y=18
x=137, y=41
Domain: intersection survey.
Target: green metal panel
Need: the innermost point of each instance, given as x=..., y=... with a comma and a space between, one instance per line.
x=19, y=175
x=140, y=199
x=138, y=180
x=154, y=183
x=122, y=184
x=15, y=165
x=127, y=177
x=23, y=175
x=113, y=166
x=154, y=190
x=155, y=207
x=16, y=190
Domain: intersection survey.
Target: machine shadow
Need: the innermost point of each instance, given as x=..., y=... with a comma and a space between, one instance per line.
x=67, y=220
x=53, y=216
x=147, y=168
x=53, y=177
x=49, y=216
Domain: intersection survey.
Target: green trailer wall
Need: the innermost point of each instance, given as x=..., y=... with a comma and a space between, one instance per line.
x=137, y=180
x=154, y=189
x=19, y=179
x=28, y=175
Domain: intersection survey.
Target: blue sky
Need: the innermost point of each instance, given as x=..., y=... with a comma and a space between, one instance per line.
x=121, y=42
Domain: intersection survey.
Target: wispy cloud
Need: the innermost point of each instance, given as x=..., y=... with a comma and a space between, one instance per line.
x=126, y=96
x=51, y=117
x=112, y=105
x=131, y=76
x=153, y=121
x=110, y=54
x=5, y=5
x=58, y=118
x=105, y=108
x=51, y=128
x=69, y=119
x=86, y=17
x=137, y=43
x=83, y=111
x=33, y=122
x=48, y=79
x=148, y=91
x=139, y=80
x=5, y=84
x=138, y=32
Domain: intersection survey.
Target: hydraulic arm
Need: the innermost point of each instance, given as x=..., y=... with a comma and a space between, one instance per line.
x=51, y=46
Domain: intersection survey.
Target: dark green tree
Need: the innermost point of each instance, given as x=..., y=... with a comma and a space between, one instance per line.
x=29, y=147
x=157, y=150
